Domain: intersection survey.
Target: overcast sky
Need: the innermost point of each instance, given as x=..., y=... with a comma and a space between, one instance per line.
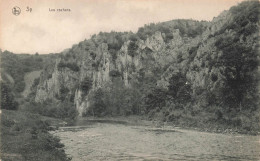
x=45, y=32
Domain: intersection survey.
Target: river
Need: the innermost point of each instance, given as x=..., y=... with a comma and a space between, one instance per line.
x=95, y=140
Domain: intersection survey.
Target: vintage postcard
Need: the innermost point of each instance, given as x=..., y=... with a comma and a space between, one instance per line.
x=129, y=80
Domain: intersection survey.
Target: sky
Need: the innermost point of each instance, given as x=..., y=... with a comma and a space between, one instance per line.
x=44, y=31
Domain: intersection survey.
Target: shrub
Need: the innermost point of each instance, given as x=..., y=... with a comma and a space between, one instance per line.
x=93, y=55
x=179, y=88
x=114, y=73
x=113, y=53
x=155, y=99
x=114, y=46
x=141, y=34
x=86, y=85
x=19, y=86
x=240, y=62
x=49, y=76
x=132, y=47
x=214, y=77
x=63, y=92
x=7, y=98
x=72, y=66
x=97, y=105
x=62, y=110
x=29, y=138
x=133, y=38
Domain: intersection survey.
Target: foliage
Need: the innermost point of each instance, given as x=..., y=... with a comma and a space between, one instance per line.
x=86, y=85
x=113, y=54
x=63, y=93
x=132, y=47
x=133, y=37
x=189, y=28
x=179, y=88
x=26, y=135
x=168, y=34
x=72, y=66
x=114, y=99
x=239, y=58
x=7, y=97
x=113, y=39
x=114, y=73
x=97, y=106
x=239, y=61
x=156, y=99
x=246, y=15
x=121, y=100
x=17, y=65
x=61, y=110
x=230, y=92
x=93, y=55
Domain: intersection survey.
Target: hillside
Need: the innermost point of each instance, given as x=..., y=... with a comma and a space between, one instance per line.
x=15, y=66
x=24, y=137
x=191, y=73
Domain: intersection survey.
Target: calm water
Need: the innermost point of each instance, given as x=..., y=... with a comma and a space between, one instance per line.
x=117, y=141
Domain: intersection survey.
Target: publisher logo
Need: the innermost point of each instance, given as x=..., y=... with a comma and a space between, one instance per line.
x=16, y=11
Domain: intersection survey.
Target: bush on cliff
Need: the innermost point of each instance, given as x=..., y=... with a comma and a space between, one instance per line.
x=86, y=85
x=72, y=66
x=132, y=47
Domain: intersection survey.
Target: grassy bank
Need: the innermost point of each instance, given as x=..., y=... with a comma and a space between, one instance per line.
x=25, y=137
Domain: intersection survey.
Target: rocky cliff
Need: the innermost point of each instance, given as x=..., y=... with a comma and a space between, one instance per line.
x=198, y=51
x=100, y=66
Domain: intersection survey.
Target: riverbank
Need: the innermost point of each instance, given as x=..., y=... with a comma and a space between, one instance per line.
x=145, y=121
x=25, y=137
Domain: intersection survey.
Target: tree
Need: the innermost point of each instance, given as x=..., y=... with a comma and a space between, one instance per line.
x=86, y=85
x=63, y=92
x=132, y=47
x=155, y=99
x=7, y=98
x=240, y=62
x=97, y=106
x=179, y=87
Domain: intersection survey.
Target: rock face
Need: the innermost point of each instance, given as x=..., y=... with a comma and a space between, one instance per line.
x=161, y=55
x=98, y=64
x=155, y=42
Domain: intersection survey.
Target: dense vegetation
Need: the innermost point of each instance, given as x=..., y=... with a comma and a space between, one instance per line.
x=72, y=66
x=239, y=58
x=189, y=28
x=24, y=133
x=62, y=110
x=114, y=99
x=233, y=103
x=7, y=98
x=17, y=65
x=25, y=137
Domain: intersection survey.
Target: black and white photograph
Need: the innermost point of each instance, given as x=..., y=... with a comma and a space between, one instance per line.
x=129, y=80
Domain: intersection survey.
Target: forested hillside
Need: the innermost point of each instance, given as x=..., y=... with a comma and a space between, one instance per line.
x=14, y=67
x=191, y=73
